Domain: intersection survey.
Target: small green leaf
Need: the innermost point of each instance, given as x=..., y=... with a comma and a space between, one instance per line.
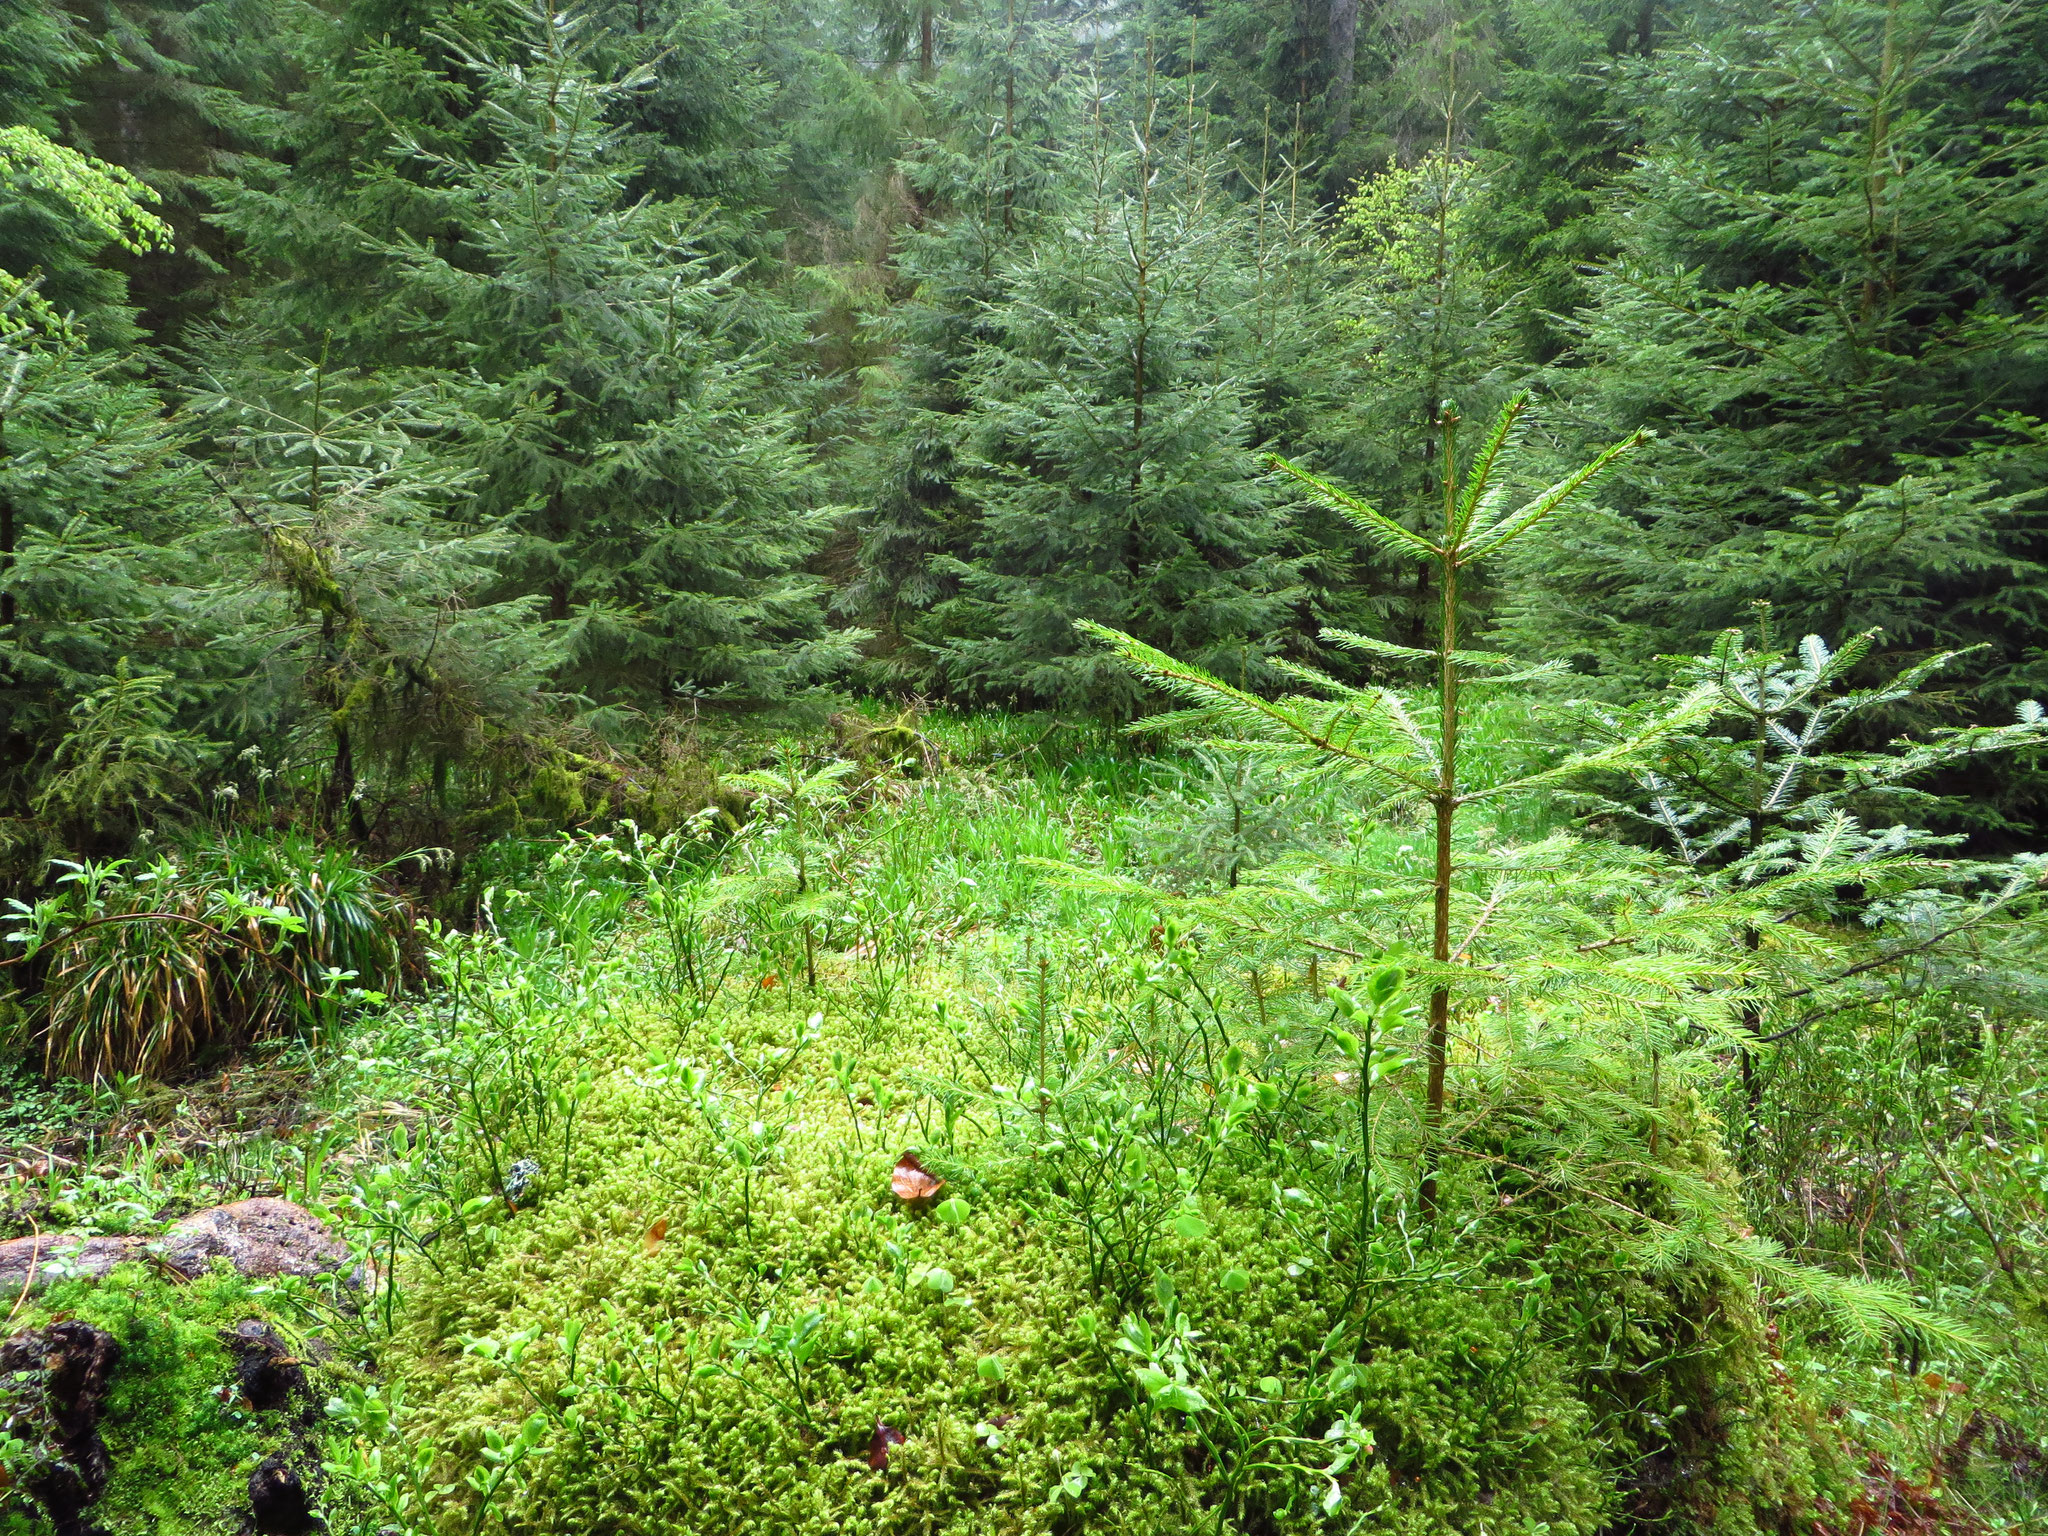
x=938, y=1280
x=1235, y=1281
x=991, y=1370
x=1191, y=1226
x=952, y=1212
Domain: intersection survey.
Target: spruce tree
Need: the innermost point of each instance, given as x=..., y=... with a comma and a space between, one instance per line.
x=380, y=671
x=647, y=459
x=984, y=176
x=1555, y=133
x=1425, y=315
x=309, y=219
x=706, y=125
x=1822, y=303
x=104, y=621
x=1112, y=465
x=100, y=613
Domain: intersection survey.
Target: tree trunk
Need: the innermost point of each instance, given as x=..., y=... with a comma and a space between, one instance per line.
x=6, y=542
x=924, y=42
x=1343, y=58
x=1445, y=805
x=339, y=798
x=6, y=560
x=1444, y=802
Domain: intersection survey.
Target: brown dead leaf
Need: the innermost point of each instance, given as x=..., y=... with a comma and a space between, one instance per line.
x=878, y=1446
x=910, y=1181
x=655, y=1234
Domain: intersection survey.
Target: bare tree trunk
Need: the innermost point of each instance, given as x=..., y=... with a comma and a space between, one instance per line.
x=1445, y=805
x=924, y=42
x=1444, y=802
x=6, y=560
x=7, y=614
x=1343, y=59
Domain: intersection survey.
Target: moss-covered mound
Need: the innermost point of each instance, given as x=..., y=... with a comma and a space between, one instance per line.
x=710, y=1312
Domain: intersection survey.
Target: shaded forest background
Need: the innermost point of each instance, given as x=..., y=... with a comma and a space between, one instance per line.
x=414, y=417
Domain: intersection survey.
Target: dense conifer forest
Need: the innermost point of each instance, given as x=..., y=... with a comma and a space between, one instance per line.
x=1023, y=767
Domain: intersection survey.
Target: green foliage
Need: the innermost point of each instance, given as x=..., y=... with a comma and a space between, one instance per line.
x=826, y=1314
x=1227, y=814
x=989, y=167
x=352, y=489
x=108, y=200
x=143, y=971
x=1324, y=1118
x=1815, y=305
x=1107, y=440
x=121, y=757
x=661, y=497
x=100, y=648
x=60, y=206
x=1424, y=317
x=1526, y=939
x=1174, y=1275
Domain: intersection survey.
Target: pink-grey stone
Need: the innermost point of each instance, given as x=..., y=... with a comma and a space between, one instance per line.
x=260, y=1238
x=32, y=1262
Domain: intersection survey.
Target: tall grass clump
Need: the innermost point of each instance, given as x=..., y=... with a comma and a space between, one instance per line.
x=143, y=970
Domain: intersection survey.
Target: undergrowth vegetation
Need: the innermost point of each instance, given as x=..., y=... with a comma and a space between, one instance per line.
x=141, y=969
x=942, y=1150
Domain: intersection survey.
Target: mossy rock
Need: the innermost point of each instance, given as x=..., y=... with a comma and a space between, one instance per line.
x=180, y=1439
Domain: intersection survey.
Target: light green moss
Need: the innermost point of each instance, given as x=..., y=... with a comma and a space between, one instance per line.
x=1481, y=1421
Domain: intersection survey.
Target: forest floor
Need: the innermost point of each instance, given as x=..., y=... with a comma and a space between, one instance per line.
x=888, y=1170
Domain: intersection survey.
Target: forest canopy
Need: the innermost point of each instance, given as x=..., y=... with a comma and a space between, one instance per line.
x=439, y=401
